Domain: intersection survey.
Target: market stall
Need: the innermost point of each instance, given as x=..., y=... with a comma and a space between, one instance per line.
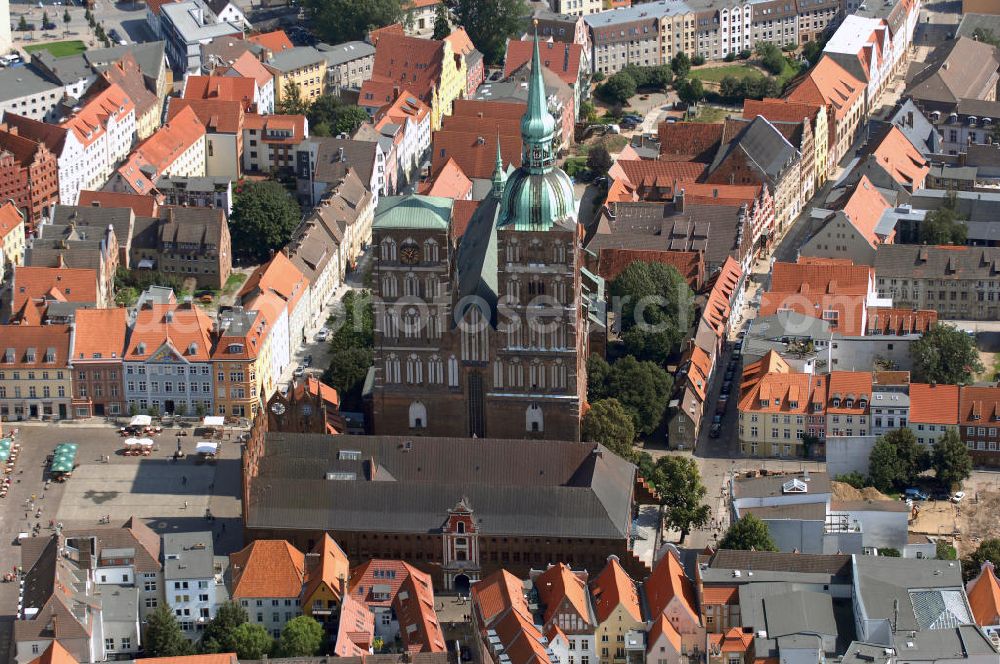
x=63, y=460
x=207, y=449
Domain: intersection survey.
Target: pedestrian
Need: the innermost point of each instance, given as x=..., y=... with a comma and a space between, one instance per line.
x=185, y=504
x=223, y=526
x=184, y=480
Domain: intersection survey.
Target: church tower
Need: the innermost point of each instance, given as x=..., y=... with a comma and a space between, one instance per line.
x=538, y=375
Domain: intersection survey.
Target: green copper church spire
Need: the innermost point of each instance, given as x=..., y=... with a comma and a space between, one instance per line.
x=498, y=172
x=537, y=125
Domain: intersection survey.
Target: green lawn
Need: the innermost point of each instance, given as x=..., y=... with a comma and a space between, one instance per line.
x=234, y=281
x=59, y=49
x=716, y=74
x=710, y=114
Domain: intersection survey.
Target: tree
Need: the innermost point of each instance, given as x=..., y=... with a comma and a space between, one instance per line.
x=654, y=306
x=200, y=409
x=349, y=118
x=946, y=355
x=588, y=112
x=854, y=479
x=251, y=641
x=677, y=480
x=324, y=109
x=599, y=160
x=609, y=423
x=291, y=100
x=951, y=460
x=730, y=57
x=896, y=460
x=660, y=77
x=163, y=637
x=347, y=372
x=264, y=217
x=889, y=552
x=67, y=18
x=490, y=23
x=442, y=26
x=989, y=549
x=943, y=226
x=597, y=76
x=619, y=88
x=338, y=21
x=748, y=534
x=812, y=51
x=681, y=64
x=945, y=551
x=698, y=60
x=643, y=388
x=22, y=24
x=302, y=637
x=218, y=633
x=986, y=36
x=45, y=21
x=153, y=410
x=352, y=348
x=690, y=91
x=770, y=56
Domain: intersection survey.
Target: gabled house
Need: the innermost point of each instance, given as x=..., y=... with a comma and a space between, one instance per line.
x=670, y=594
x=855, y=232
x=327, y=573
x=267, y=581
x=563, y=594
x=984, y=599
x=618, y=610
x=402, y=599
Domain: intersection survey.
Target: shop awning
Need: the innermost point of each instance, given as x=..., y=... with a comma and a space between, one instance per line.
x=205, y=447
x=214, y=421
x=5, y=444
x=64, y=457
x=141, y=421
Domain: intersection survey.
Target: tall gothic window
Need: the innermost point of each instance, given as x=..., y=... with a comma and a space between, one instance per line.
x=453, y=371
x=435, y=370
x=411, y=286
x=513, y=251
x=388, y=249
x=411, y=323
x=414, y=370
x=431, y=251
x=392, y=369
x=389, y=285
x=390, y=325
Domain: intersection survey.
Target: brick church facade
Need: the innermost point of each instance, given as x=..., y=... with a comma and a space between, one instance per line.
x=488, y=338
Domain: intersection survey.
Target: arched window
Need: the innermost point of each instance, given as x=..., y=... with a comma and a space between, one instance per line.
x=497, y=373
x=414, y=370
x=533, y=420
x=435, y=370
x=390, y=324
x=430, y=250
x=559, y=375
x=418, y=415
x=453, y=371
x=432, y=287
x=514, y=289
x=460, y=528
x=559, y=286
x=536, y=374
x=515, y=373
x=388, y=249
x=392, y=369
x=411, y=323
x=389, y=285
x=411, y=286
x=559, y=252
x=513, y=252
x=433, y=326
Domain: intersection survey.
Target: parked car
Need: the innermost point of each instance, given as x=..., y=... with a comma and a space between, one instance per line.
x=727, y=386
x=915, y=494
x=308, y=361
x=117, y=38
x=730, y=372
x=957, y=498
x=299, y=371
x=717, y=419
x=715, y=431
x=323, y=335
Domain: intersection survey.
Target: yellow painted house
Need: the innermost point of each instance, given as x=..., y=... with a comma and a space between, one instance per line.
x=616, y=604
x=327, y=580
x=428, y=68
x=303, y=66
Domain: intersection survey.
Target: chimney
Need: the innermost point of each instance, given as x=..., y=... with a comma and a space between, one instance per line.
x=909, y=118
x=340, y=154
x=679, y=200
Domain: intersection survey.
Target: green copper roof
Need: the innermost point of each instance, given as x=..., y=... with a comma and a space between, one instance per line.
x=537, y=125
x=413, y=211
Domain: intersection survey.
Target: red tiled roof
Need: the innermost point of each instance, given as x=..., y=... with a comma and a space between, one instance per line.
x=219, y=658
x=497, y=593
x=977, y=405
x=228, y=88
x=450, y=182
x=828, y=83
x=461, y=215
x=419, y=627
x=403, y=61
x=141, y=205
x=406, y=106
x=355, y=629
x=187, y=329
x=29, y=346
x=833, y=278
x=100, y=333
x=91, y=121
x=889, y=320
x=718, y=308
x=160, y=150
x=279, y=276
x=127, y=74
x=734, y=640
x=901, y=160
x=689, y=141
x=934, y=404
x=690, y=264
x=63, y=284
x=560, y=57
x=781, y=110
x=10, y=219
x=612, y=588
x=54, y=654
x=329, y=565
x=984, y=596
x=667, y=582
x=780, y=392
x=661, y=627
x=720, y=595
x=843, y=384
x=661, y=174
x=559, y=583
x=461, y=43
x=217, y=115
x=267, y=569
x=864, y=208
x=275, y=41
x=248, y=66
x=263, y=123
x=475, y=152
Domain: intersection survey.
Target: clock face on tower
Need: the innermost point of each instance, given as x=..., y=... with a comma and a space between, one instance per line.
x=409, y=254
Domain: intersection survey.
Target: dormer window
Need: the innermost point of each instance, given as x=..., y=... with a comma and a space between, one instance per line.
x=863, y=403
x=793, y=404
x=141, y=348
x=8, y=355
x=234, y=348
x=193, y=348
x=849, y=402
x=764, y=403
x=29, y=356
x=836, y=402
x=972, y=120
x=50, y=355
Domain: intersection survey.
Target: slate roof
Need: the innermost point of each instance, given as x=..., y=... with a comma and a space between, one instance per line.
x=959, y=69
x=516, y=487
x=767, y=486
x=942, y=262
x=770, y=561
x=768, y=150
x=339, y=54
x=359, y=155
x=921, y=593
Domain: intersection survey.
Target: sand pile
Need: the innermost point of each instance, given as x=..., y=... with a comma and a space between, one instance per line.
x=842, y=491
